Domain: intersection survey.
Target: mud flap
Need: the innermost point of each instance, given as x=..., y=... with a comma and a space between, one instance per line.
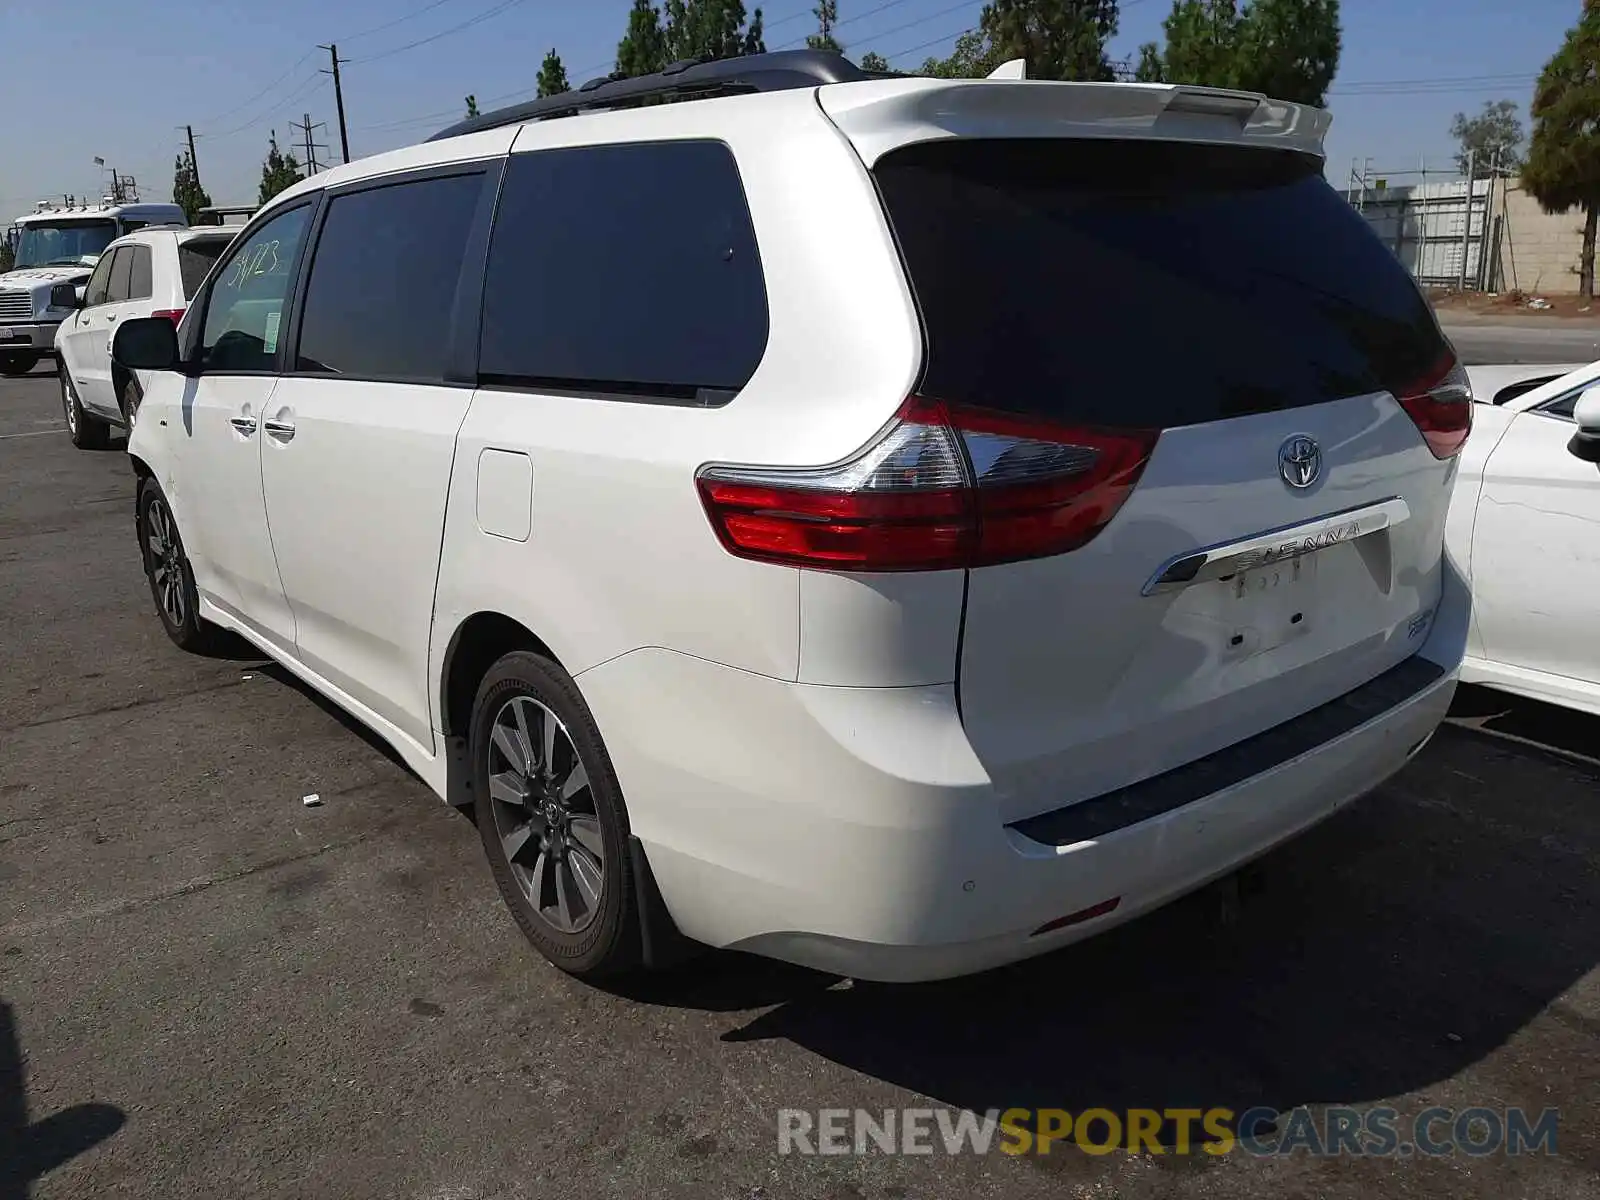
x=662, y=944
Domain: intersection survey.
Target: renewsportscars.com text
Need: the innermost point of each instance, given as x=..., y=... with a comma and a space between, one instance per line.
x=1378, y=1131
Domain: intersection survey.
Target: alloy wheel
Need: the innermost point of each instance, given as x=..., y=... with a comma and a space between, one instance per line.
x=165, y=561
x=69, y=406
x=544, y=814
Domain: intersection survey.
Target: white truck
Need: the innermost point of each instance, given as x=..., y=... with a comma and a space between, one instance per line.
x=59, y=244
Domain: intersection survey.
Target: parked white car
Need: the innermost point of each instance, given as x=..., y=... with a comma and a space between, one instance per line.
x=152, y=273
x=1498, y=383
x=54, y=245
x=1525, y=523
x=774, y=552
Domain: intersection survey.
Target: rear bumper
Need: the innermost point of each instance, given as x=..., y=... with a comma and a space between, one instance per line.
x=854, y=830
x=1141, y=866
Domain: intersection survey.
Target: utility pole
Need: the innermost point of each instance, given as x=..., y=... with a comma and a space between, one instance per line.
x=338, y=97
x=1466, y=224
x=194, y=165
x=309, y=143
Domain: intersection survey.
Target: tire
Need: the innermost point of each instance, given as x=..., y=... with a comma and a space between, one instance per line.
x=18, y=364
x=541, y=842
x=167, y=568
x=86, y=432
x=129, y=396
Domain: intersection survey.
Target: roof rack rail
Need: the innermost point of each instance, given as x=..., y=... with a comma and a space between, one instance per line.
x=690, y=79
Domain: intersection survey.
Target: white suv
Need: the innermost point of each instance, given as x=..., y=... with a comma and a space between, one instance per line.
x=154, y=272
x=894, y=525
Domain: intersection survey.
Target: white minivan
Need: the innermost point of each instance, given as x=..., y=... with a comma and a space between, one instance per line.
x=894, y=525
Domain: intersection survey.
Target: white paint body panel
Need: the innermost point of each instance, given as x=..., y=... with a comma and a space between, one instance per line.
x=355, y=501
x=1488, y=381
x=1525, y=520
x=84, y=343
x=217, y=499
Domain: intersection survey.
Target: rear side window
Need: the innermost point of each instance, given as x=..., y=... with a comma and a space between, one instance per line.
x=383, y=280
x=121, y=275
x=195, y=258
x=139, y=283
x=625, y=269
x=1146, y=284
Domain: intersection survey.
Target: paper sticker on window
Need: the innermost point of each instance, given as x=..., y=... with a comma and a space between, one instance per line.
x=272, y=332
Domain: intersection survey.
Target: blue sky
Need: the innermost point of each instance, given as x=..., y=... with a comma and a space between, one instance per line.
x=119, y=80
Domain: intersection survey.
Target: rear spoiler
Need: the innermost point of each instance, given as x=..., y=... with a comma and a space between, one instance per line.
x=882, y=115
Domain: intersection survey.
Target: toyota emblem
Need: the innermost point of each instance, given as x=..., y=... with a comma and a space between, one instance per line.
x=1300, y=461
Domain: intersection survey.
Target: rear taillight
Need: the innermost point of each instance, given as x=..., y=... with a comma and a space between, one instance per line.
x=1441, y=405
x=172, y=314
x=943, y=486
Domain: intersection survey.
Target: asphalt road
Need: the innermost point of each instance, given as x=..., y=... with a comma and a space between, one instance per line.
x=207, y=989
x=1523, y=340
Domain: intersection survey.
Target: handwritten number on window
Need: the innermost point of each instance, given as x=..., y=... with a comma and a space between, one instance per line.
x=262, y=260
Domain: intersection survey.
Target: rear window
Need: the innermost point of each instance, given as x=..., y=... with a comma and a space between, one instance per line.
x=196, y=257
x=1146, y=284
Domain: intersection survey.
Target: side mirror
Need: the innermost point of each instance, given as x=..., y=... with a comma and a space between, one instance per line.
x=146, y=344
x=1585, y=444
x=66, y=295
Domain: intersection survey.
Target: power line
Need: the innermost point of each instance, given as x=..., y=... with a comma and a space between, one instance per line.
x=1441, y=86
x=933, y=17
x=921, y=21
x=838, y=24
x=222, y=116
x=926, y=45
x=303, y=89
x=796, y=16
x=350, y=37
x=467, y=24
x=1509, y=75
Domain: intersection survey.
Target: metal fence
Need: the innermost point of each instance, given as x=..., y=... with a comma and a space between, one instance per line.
x=1444, y=229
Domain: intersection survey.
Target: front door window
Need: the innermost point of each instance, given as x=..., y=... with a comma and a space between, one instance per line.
x=244, y=316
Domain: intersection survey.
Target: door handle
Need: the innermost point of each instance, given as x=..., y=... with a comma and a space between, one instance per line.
x=245, y=425
x=282, y=430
